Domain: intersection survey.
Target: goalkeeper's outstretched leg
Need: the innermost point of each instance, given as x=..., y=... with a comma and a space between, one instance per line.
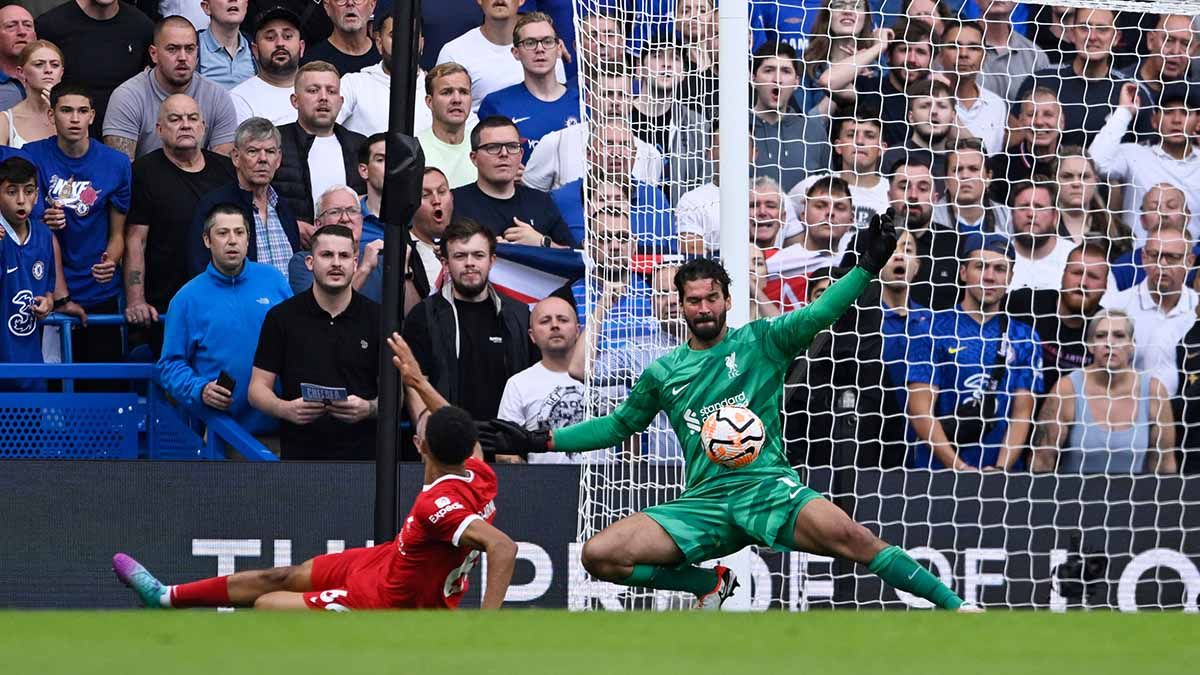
x=823, y=528
x=637, y=551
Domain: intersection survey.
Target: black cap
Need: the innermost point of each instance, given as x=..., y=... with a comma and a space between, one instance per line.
x=276, y=13
x=1186, y=93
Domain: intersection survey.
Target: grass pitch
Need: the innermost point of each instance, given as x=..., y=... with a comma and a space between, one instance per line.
x=543, y=642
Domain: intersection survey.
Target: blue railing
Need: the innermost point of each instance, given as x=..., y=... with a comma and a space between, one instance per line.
x=118, y=425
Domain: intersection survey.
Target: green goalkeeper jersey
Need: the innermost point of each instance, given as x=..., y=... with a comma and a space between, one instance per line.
x=745, y=369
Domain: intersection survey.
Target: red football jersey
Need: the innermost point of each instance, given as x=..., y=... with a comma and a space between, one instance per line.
x=428, y=568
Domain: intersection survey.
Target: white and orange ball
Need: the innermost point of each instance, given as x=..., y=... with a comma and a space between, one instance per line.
x=732, y=436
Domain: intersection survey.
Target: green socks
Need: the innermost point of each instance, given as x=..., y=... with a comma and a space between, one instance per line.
x=695, y=580
x=897, y=568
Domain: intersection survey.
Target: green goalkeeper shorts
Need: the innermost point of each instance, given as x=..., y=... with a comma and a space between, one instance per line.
x=720, y=519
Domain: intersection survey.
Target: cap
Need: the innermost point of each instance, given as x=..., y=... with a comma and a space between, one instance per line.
x=1186, y=93
x=976, y=241
x=276, y=13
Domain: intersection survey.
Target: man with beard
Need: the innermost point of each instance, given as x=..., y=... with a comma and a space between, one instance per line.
x=277, y=48
x=724, y=509
x=909, y=56
x=129, y=122
x=329, y=337
x=1060, y=315
x=468, y=338
x=912, y=195
x=167, y=186
x=930, y=117
x=349, y=48
x=317, y=151
x=1041, y=251
x=971, y=388
x=544, y=396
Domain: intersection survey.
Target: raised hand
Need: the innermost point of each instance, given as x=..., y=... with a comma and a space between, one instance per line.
x=880, y=242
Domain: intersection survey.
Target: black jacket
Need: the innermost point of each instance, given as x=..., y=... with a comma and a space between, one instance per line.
x=197, y=253
x=292, y=180
x=437, y=348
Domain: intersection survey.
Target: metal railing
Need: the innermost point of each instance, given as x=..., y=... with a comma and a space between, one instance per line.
x=163, y=423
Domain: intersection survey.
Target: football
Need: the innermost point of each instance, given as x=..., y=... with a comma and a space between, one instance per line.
x=732, y=436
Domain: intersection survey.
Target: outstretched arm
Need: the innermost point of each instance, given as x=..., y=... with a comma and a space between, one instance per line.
x=793, y=332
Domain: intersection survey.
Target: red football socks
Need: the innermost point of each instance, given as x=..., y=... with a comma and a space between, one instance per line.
x=212, y=592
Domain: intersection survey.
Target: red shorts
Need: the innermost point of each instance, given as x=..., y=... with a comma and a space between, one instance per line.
x=352, y=579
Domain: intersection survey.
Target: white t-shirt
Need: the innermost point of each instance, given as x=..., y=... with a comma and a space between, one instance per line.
x=558, y=159
x=367, y=98
x=492, y=67
x=867, y=202
x=256, y=97
x=543, y=400
x=795, y=260
x=699, y=212
x=188, y=9
x=453, y=160
x=325, y=165
x=1044, y=273
x=985, y=120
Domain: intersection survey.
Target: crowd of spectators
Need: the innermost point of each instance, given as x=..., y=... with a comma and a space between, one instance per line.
x=214, y=170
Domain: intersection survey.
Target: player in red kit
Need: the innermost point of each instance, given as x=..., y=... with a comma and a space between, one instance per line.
x=426, y=567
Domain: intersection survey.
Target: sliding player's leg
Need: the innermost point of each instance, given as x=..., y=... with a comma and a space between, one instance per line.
x=653, y=549
x=823, y=528
x=240, y=589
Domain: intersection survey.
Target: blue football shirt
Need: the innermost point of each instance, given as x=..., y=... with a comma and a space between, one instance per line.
x=86, y=187
x=906, y=340
x=26, y=271
x=962, y=355
x=534, y=117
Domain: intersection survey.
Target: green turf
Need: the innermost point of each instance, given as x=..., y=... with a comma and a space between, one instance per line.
x=533, y=643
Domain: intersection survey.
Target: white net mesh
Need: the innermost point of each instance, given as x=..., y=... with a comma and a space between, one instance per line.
x=1063, y=138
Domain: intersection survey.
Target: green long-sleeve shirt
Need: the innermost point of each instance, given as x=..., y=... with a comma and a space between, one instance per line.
x=745, y=369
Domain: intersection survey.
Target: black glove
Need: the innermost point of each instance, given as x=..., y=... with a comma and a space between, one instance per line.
x=880, y=242
x=506, y=438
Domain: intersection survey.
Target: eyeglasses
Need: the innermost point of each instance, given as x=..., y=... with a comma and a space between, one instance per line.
x=495, y=148
x=337, y=212
x=530, y=44
x=847, y=4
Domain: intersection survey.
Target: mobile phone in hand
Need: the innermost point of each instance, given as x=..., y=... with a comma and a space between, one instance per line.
x=226, y=381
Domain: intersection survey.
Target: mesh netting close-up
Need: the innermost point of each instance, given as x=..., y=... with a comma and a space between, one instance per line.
x=1003, y=400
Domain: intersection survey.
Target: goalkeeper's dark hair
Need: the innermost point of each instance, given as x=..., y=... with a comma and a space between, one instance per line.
x=450, y=435
x=698, y=269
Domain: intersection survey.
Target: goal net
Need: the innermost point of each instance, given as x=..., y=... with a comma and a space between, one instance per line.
x=1011, y=403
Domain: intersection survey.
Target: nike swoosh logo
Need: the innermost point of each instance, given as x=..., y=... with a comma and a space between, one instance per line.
x=793, y=495
x=518, y=120
x=13, y=269
x=914, y=573
x=675, y=391
x=955, y=350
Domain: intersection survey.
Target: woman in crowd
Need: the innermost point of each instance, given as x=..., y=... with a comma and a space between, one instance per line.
x=1081, y=203
x=41, y=67
x=1107, y=418
x=845, y=44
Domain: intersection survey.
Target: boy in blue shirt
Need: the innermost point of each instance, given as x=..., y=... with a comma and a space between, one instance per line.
x=86, y=187
x=27, y=271
x=539, y=104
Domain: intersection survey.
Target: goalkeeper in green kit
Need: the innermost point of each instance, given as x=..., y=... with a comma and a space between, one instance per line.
x=725, y=509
